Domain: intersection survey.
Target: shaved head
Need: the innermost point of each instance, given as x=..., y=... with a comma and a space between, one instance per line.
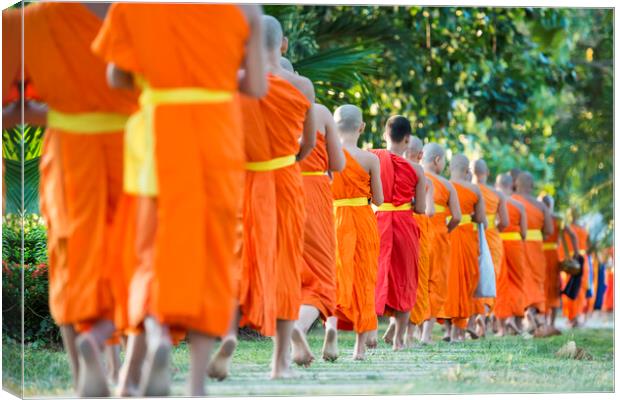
x=504, y=181
x=415, y=144
x=480, y=167
x=348, y=118
x=432, y=151
x=459, y=166
x=286, y=64
x=524, y=182
x=272, y=33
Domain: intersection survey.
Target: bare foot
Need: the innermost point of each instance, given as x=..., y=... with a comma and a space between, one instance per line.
x=482, y=331
x=92, y=380
x=427, y=342
x=156, y=370
x=359, y=357
x=398, y=345
x=219, y=367
x=330, y=345
x=302, y=355
x=283, y=373
x=388, y=336
x=371, y=340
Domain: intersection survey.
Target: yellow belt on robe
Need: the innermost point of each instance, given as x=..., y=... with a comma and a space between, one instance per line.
x=392, y=207
x=352, y=202
x=270, y=165
x=440, y=208
x=510, y=236
x=491, y=221
x=582, y=252
x=313, y=173
x=465, y=220
x=534, y=235
x=550, y=246
x=86, y=123
x=139, y=159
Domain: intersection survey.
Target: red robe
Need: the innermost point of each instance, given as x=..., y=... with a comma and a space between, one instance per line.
x=397, y=278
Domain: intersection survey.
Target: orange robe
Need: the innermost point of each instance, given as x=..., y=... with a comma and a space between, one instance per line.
x=397, y=277
x=81, y=173
x=573, y=308
x=357, y=250
x=198, y=188
x=510, y=299
x=535, y=261
x=552, y=280
x=318, y=278
x=422, y=308
x=463, y=271
x=496, y=247
x=256, y=293
x=284, y=118
x=608, y=301
x=11, y=54
x=439, y=257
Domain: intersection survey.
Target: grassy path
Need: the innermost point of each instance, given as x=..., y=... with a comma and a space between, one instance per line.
x=492, y=365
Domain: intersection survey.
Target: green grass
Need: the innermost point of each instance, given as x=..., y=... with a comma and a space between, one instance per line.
x=492, y=365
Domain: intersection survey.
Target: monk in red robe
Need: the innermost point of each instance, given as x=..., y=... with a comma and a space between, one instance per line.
x=464, y=251
x=539, y=225
x=510, y=298
x=497, y=218
x=357, y=238
x=81, y=171
x=199, y=101
x=403, y=190
x=422, y=309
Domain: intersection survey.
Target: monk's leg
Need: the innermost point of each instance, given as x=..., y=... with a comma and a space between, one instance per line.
x=359, y=351
x=500, y=327
x=388, y=336
x=472, y=326
x=155, y=380
x=410, y=335
x=302, y=355
x=113, y=361
x=201, y=346
x=68, y=340
x=371, y=339
x=530, y=319
x=129, y=374
x=330, y=344
x=219, y=367
x=400, y=327
x=281, y=365
x=92, y=380
x=427, y=331
x=447, y=330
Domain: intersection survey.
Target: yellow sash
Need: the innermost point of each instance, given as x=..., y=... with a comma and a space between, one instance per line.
x=491, y=221
x=139, y=159
x=270, y=165
x=582, y=252
x=353, y=202
x=465, y=219
x=510, y=236
x=86, y=123
x=392, y=207
x=440, y=208
x=313, y=173
x=550, y=246
x=534, y=235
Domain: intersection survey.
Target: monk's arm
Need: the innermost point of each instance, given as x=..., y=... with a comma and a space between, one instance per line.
x=455, y=209
x=502, y=212
x=308, y=138
x=548, y=222
x=376, y=187
x=480, y=216
x=420, y=193
x=334, y=147
x=430, y=198
x=523, y=222
x=573, y=240
x=118, y=78
x=254, y=80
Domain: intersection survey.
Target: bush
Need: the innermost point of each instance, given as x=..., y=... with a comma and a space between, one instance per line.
x=39, y=328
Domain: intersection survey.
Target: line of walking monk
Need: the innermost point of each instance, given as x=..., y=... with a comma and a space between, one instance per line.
x=192, y=185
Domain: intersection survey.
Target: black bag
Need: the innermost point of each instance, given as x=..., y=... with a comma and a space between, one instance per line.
x=571, y=290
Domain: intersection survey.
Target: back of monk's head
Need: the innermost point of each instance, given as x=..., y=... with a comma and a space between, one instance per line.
x=286, y=64
x=398, y=128
x=480, y=168
x=348, y=119
x=459, y=166
x=525, y=182
x=504, y=181
x=432, y=151
x=414, y=149
x=272, y=33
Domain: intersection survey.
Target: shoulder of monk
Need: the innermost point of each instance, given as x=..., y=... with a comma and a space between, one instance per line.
x=304, y=85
